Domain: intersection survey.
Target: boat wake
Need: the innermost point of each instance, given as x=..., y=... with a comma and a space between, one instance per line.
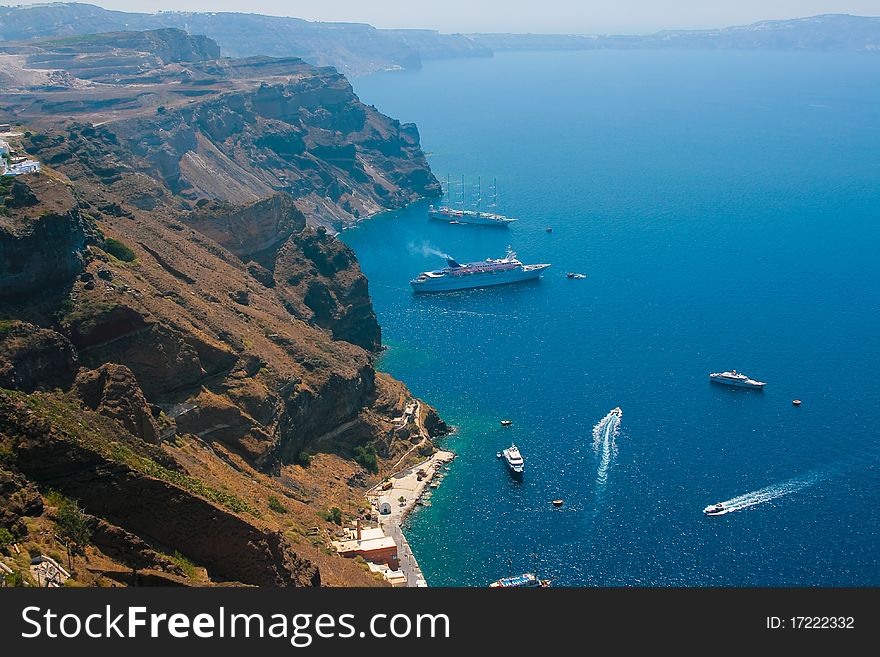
x=767, y=494
x=605, y=442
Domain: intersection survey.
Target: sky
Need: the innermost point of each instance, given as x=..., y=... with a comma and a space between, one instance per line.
x=539, y=16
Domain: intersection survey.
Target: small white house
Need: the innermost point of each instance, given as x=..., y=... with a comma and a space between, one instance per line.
x=4, y=147
x=19, y=168
x=384, y=507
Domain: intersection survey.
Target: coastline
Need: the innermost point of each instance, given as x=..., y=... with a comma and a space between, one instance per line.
x=409, y=485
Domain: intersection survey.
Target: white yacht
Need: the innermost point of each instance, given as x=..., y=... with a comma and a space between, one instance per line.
x=514, y=461
x=734, y=378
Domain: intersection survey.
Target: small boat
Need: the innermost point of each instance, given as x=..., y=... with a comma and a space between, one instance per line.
x=549, y=229
x=558, y=502
x=715, y=509
x=737, y=379
x=796, y=402
x=573, y=275
x=506, y=423
x=498, y=455
x=526, y=580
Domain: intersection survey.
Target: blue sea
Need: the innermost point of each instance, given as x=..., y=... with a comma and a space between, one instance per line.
x=724, y=207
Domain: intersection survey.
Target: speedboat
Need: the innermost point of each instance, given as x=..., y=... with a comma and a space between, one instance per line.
x=715, y=509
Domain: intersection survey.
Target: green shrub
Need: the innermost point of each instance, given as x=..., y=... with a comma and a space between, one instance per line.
x=187, y=566
x=5, y=327
x=54, y=498
x=15, y=579
x=6, y=538
x=333, y=515
x=367, y=457
x=7, y=456
x=303, y=459
x=276, y=505
x=119, y=250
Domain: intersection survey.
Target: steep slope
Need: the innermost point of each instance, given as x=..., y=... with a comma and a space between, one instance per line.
x=171, y=349
x=231, y=130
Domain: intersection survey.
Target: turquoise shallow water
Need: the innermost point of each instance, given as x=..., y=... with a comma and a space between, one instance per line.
x=725, y=208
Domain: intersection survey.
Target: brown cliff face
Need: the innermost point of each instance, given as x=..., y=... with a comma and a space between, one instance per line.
x=223, y=343
x=113, y=391
x=42, y=236
x=111, y=478
x=33, y=358
x=235, y=131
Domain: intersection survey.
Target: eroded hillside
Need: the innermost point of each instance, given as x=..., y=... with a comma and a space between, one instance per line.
x=193, y=361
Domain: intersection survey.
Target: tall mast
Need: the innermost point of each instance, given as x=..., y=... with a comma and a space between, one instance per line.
x=495, y=193
x=479, y=193
x=462, y=192
x=448, y=191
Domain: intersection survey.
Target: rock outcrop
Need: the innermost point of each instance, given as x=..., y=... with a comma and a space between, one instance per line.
x=109, y=475
x=113, y=391
x=42, y=239
x=19, y=499
x=34, y=358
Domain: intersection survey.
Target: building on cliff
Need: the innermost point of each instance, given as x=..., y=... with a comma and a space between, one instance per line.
x=16, y=166
x=372, y=545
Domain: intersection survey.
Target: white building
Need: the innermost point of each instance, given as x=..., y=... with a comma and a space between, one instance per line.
x=4, y=147
x=384, y=507
x=19, y=168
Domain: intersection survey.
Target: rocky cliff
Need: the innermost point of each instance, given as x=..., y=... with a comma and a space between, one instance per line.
x=43, y=235
x=354, y=49
x=216, y=129
x=172, y=346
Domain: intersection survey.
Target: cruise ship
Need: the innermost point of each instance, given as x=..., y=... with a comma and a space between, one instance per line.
x=734, y=378
x=476, y=217
x=526, y=581
x=456, y=276
x=514, y=461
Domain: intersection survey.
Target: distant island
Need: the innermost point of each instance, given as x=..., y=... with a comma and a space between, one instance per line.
x=359, y=49
x=827, y=32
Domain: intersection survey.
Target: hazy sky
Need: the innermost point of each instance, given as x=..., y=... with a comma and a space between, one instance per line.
x=552, y=16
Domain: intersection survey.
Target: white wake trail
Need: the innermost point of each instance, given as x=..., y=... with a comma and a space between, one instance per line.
x=605, y=443
x=770, y=493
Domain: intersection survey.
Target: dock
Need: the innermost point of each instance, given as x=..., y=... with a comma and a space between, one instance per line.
x=410, y=485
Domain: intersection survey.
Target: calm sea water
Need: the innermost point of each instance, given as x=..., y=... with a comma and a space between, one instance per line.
x=725, y=209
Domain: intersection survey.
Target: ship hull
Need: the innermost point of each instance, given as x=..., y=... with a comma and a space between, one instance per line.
x=472, y=219
x=468, y=282
x=738, y=384
x=516, y=474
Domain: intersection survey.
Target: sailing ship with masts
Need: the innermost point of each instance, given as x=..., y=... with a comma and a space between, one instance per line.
x=461, y=215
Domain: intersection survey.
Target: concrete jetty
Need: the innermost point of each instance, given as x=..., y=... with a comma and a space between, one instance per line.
x=410, y=485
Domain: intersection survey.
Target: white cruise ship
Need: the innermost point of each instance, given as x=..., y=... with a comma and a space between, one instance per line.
x=476, y=274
